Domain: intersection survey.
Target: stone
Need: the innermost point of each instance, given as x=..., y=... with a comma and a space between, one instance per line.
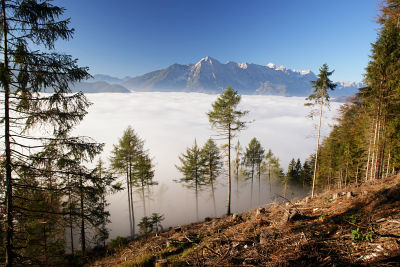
x=264, y=238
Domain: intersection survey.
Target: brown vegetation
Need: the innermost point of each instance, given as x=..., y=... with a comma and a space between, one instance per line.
x=356, y=226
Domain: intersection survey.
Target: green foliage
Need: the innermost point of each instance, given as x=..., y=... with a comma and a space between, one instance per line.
x=254, y=156
x=226, y=119
x=225, y=116
x=321, y=86
x=356, y=234
x=192, y=167
x=212, y=163
x=117, y=243
x=151, y=224
x=45, y=178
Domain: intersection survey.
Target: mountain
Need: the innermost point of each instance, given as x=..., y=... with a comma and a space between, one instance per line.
x=105, y=78
x=210, y=75
x=99, y=87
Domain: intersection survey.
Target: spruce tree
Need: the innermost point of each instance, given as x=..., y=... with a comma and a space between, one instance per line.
x=320, y=97
x=29, y=67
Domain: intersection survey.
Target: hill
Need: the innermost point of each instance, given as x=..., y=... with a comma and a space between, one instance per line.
x=355, y=226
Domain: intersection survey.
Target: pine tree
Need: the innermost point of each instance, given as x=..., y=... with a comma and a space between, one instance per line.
x=320, y=97
x=225, y=118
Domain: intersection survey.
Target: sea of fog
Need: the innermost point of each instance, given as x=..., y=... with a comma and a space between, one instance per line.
x=170, y=122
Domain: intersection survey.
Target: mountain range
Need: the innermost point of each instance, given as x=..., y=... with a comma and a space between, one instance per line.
x=211, y=76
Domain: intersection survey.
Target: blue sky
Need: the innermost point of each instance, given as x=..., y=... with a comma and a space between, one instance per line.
x=129, y=38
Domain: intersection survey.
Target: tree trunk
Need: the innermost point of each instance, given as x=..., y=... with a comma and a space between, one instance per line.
x=9, y=191
x=129, y=204
x=71, y=226
x=269, y=176
x=213, y=198
x=316, y=153
x=212, y=189
x=259, y=185
x=144, y=200
x=228, y=210
x=251, y=193
x=131, y=196
x=369, y=154
x=388, y=164
x=82, y=214
x=197, y=200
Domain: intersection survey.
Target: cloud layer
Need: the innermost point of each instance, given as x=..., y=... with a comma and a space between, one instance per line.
x=169, y=122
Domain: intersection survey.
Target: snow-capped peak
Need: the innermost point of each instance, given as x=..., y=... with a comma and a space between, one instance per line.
x=271, y=65
x=242, y=65
x=208, y=59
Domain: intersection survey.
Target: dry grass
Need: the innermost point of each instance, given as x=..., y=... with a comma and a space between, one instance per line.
x=327, y=230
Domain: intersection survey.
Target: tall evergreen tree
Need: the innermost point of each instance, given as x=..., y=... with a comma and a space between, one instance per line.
x=123, y=158
x=226, y=119
x=320, y=97
x=30, y=65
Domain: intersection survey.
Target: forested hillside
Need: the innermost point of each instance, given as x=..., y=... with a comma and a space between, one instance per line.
x=365, y=143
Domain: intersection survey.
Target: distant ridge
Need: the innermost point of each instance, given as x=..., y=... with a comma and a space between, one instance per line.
x=211, y=76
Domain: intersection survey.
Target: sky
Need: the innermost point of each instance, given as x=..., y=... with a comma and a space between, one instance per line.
x=132, y=37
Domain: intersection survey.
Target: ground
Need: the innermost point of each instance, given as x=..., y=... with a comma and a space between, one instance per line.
x=356, y=226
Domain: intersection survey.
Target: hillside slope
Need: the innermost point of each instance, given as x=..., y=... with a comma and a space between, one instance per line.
x=349, y=227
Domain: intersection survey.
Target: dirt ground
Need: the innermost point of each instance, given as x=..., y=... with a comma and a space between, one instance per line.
x=356, y=226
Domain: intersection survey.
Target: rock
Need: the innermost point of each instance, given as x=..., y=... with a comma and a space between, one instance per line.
x=264, y=238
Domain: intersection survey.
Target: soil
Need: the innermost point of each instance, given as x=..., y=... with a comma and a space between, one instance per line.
x=356, y=226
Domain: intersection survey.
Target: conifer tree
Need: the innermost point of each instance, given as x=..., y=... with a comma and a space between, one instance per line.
x=253, y=158
x=226, y=119
x=212, y=166
x=123, y=158
x=30, y=66
x=192, y=168
x=320, y=97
